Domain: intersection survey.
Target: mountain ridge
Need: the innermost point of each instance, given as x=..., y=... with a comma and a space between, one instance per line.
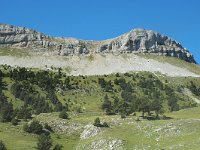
x=135, y=41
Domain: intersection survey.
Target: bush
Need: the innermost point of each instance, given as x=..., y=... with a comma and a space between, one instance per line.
x=58, y=147
x=123, y=115
x=26, y=127
x=97, y=122
x=2, y=146
x=34, y=127
x=14, y=121
x=63, y=114
x=46, y=126
x=105, y=124
x=24, y=113
x=6, y=112
x=44, y=142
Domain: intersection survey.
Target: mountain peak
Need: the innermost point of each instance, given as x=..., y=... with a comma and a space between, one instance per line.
x=135, y=41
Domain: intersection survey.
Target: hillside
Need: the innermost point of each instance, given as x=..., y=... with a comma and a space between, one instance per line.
x=25, y=47
x=140, y=90
x=131, y=95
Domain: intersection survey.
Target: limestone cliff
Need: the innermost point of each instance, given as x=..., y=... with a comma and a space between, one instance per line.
x=135, y=41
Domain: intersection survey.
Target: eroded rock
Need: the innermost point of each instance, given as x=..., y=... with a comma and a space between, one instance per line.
x=135, y=41
x=89, y=131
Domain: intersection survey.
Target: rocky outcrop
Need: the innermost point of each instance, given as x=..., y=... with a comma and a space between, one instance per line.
x=102, y=144
x=135, y=41
x=147, y=41
x=89, y=131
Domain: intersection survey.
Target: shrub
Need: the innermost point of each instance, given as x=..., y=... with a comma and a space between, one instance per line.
x=2, y=146
x=26, y=128
x=14, y=121
x=97, y=122
x=46, y=126
x=63, y=114
x=105, y=124
x=123, y=115
x=44, y=142
x=58, y=147
x=34, y=127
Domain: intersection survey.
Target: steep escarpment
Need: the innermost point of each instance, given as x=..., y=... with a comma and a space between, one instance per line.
x=147, y=41
x=135, y=41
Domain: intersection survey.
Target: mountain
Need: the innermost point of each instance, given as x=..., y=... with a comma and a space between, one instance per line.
x=140, y=90
x=135, y=41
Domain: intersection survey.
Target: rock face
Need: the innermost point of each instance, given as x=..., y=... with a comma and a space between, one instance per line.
x=89, y=131
x=135, y=41
x=102, y=144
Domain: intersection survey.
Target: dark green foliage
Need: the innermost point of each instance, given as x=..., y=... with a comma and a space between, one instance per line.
x=58, y=147
x=63, y=114
x=105, y=124
x=26, y=92
x=172, y=102
x=34, y=127
x=123, y=115
x=26, y=127
x=52, y=96
x=126, y=93
x=97, y=122
x=194, y=88
x=23, y=113
x=106, y=85
x=2, y=146
x=59, y=107
x=47, y=127
x=146, y=93
x=44, y=142
x=14, y=121
x=107, y=106
x=6, y=109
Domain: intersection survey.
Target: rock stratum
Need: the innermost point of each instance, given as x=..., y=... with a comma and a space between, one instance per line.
x=135, y=41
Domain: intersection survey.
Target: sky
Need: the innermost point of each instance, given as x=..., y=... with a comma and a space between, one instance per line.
x=104, y=19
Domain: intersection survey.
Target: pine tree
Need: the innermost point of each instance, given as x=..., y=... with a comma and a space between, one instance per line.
x=58, y=147
x=44, y=142
x=97, y=122
x=107, y=105
x=63, y=114
x=2, y=146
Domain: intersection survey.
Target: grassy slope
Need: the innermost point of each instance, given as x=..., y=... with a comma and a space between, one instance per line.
x=175, y=133
x=181, y=132
x=14, y=52
x=174, y=61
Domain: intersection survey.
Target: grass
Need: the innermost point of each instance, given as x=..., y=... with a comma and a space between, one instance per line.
x=160, y=134
x=14, y=52
x=180, y=132
x=174, y=61
x=15, y=138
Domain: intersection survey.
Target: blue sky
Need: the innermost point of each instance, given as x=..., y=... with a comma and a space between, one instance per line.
x=103, y=19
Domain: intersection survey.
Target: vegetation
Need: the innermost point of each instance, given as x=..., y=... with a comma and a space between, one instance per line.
x=63, y=114
x=98, y=123
x=44, y=142
x=14, y=121
x=34, y=127
x=38, y=101
x=58, y=147
x=2, y=146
